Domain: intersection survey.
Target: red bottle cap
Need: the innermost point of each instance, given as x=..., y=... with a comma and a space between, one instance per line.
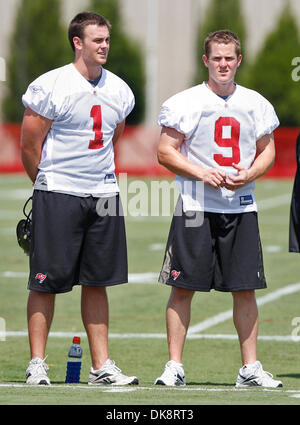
x=76, y=340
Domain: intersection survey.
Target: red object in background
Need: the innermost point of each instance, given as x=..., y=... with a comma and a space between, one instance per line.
x=10, y=152
x=136, y=152
x=285, y=165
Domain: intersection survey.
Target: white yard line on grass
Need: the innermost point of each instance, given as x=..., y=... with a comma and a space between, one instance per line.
x=275, y=201
x=15, y=194
x=114, y=389
x=225, y=315
x=278, y=338
x=140, y=278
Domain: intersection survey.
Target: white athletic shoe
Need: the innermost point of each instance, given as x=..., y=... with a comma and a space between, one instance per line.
x=36, y=373
x=253, y=375
x=110, y=374
x=173, y=375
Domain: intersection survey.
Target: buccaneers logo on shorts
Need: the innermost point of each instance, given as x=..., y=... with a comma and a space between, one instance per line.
x=175, y=274
x=40, y=277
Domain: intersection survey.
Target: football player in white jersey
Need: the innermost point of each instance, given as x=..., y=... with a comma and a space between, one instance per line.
x=74, y=115
x=217, y=137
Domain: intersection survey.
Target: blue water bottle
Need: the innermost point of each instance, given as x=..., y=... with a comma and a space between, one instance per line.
x=74, y=362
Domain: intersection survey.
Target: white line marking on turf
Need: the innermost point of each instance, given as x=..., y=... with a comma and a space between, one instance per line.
x=143, y=277
x=15, y=194
x=8, y=231
x=279, y=338
x=119, y=390
x=273, y=248
x=294, y=393
x=273, y=202
x=140, y=278
x=11, y=215
x=156, y=247
x=225, y=315
x=10, y=274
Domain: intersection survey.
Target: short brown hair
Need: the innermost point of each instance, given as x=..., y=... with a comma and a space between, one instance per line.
x=219, y=37
x=82, y=20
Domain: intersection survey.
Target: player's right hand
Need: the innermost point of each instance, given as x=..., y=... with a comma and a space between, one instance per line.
x=214, y=177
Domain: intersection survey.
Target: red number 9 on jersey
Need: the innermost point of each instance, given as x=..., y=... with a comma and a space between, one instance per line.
x=228, y=142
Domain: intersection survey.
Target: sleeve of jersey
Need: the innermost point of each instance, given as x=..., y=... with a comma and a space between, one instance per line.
x=128, y=102
x=172, y=116
x=39, y=98
x=266, y=120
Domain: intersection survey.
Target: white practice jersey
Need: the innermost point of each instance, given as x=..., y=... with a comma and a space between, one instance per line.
x=78, y=154
x=218, y=133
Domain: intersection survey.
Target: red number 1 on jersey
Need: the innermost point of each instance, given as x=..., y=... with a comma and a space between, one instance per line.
x=96, y=114
x=230, y=142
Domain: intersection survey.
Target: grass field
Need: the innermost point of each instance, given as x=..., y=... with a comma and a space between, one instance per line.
x=137, y=318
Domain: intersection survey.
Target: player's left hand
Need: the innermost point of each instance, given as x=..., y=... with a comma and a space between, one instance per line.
x=234, y=182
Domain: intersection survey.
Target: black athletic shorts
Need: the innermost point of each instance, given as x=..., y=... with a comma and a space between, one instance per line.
x=76, y=241
x=223, y=253
x=294, y=225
